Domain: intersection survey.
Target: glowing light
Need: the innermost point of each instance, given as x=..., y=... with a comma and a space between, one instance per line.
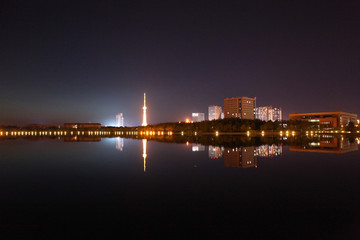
x=144, y=123
x=144, y=141
x=262, y=133
x=187, y=120
x=217, y=133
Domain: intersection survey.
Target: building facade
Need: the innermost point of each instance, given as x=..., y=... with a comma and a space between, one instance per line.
x=326, y=120
x=240, y=107
x=214, y=112
x=269, y=113
x=120, y=120
x=198, y=117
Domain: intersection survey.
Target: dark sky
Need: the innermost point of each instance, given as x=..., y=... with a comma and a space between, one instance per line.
x=86, y=61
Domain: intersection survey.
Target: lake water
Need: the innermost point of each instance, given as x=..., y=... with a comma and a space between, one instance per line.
x=134, y=189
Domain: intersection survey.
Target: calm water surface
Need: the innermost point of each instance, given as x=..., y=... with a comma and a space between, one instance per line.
x=134, y=189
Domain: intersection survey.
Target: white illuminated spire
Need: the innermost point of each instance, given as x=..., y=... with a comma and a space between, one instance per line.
x=144, y=123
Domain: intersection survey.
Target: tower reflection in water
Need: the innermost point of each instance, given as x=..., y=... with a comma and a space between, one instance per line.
x=144, y=143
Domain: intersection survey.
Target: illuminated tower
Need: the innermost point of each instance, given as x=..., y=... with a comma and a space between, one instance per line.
x=144, y=141
x=144, y=123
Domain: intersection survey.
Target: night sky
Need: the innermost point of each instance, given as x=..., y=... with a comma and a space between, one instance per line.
x=86, y=61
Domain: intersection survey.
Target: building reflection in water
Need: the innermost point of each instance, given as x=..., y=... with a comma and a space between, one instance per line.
x=328, y=144
x=198, y=148
x=119, y=143
x=215, y=152
x=144, y=143
x=241, y=157
x=268, y=150
x=246, y=157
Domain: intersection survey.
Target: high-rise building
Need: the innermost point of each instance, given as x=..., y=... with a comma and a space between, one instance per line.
x=198, y=117
x=120, y=120
x=240, y=107
x=269, y=113
x=214, y=112
x=277, y=114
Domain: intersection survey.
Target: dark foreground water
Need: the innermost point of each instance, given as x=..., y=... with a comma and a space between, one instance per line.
x=51, y=189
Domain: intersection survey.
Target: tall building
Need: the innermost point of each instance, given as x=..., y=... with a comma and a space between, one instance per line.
x=120, y=120
x=277, y=114
x=214, y=112
x=269, y=113
x=240, y=107
x=198, y=117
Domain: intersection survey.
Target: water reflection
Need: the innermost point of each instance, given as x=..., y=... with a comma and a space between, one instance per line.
x=119, y=144
x=81, y=139
x=269, y=150
x=327, y=144
x=242, y=157
x=198, y=148
x=144, y=155
x=215, y=152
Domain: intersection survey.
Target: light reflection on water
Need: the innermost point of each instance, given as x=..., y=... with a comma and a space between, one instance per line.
x=246, y=156
x=253, y=188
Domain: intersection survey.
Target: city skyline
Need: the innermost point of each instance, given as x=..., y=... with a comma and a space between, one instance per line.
x=70, y=62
